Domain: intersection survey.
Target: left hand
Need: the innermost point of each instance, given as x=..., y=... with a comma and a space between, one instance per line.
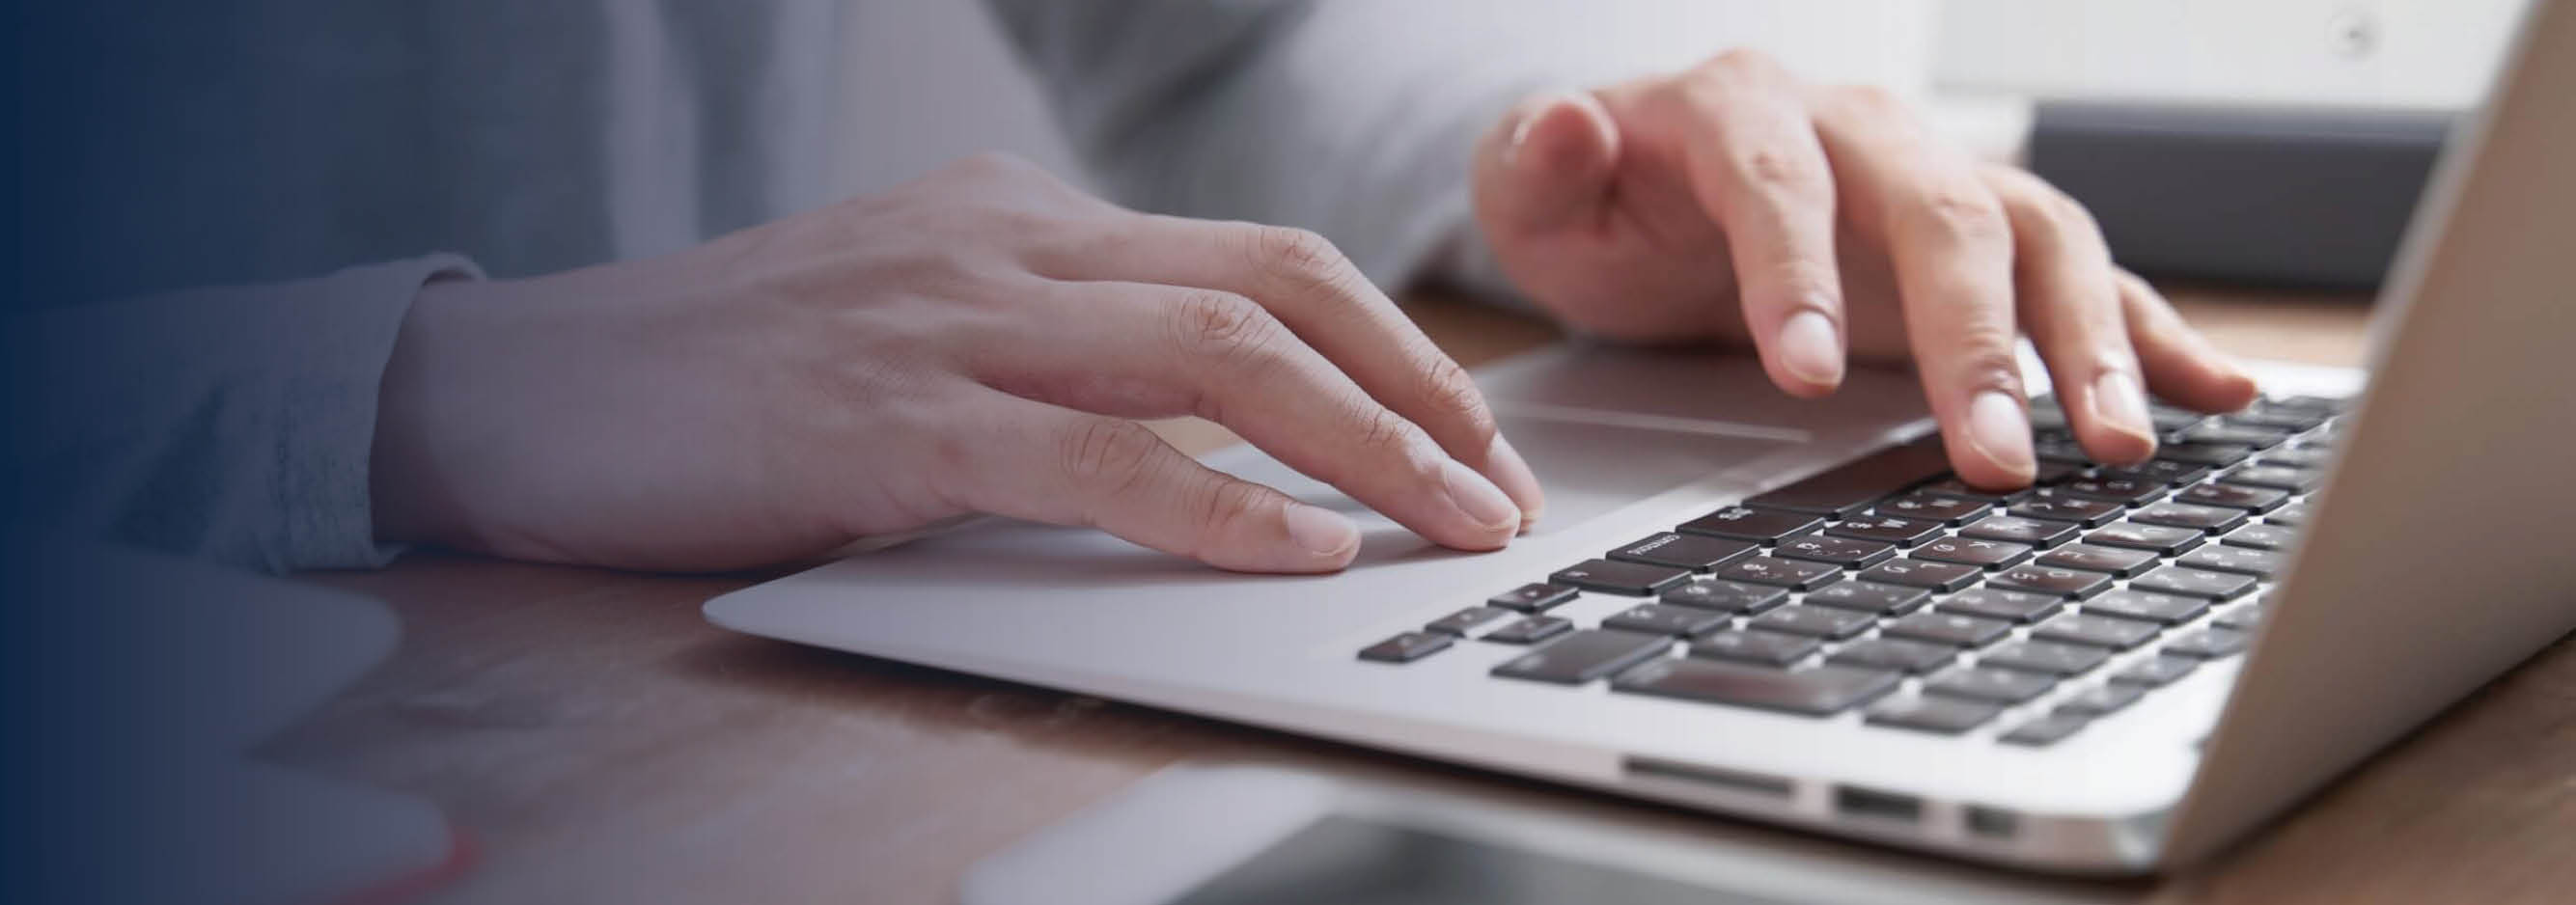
x=1734, y=202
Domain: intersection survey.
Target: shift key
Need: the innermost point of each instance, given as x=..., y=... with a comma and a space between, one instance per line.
x=1584, y=656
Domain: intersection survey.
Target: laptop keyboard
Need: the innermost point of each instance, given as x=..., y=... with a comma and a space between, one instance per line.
x=1889, y=586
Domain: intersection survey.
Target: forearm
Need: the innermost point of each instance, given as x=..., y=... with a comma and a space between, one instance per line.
x=232, y=423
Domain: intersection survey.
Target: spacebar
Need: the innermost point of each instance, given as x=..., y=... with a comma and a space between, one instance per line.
x=1815, y=691
x=1852, y=486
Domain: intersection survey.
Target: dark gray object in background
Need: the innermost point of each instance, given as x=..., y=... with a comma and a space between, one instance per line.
x=2302, y=196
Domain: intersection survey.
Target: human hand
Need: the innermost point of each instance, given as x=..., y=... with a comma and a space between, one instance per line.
x=1733, y=202
x=975, y=341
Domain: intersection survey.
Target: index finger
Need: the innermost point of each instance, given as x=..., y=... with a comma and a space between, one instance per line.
x=1327, y=302
x=1951, y=244
x=1756, y=166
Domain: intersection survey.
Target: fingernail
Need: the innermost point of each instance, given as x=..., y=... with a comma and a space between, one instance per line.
x=1809, y=350
x=2118, y=402
x=1512, y=472
x=2000, y=431
x=1323, y=532
x=1481, y=501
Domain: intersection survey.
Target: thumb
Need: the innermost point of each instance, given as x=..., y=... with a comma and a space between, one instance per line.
x=1546, y=164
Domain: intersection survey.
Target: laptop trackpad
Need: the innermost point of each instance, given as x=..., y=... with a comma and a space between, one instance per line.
x=1587, y=468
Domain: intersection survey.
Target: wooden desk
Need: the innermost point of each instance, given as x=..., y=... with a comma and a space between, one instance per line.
x=605, y=744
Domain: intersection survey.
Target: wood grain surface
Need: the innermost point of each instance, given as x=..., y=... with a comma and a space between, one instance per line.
x=605, y=744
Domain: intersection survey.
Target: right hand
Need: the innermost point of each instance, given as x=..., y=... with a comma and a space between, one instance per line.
x=975, y=341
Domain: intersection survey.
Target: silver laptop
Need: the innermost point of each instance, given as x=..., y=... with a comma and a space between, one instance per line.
x=1786, y=610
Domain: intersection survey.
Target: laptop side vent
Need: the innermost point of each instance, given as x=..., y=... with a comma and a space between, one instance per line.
x=1739, y=782
x=1872, y=804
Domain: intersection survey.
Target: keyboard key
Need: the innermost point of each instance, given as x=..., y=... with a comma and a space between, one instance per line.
x=2234, y=496
x=2166, y=540
x=1534, y=597
x=2154, y=470
x=2044, y=657
x=1658, y=619
x=1766, y=648
x=1841, y=551
x=1969, y=551
x=2215, y=455
x=2299, y=479
x=1947, y=628
x=2209, y=643
x=2051, y=446
x=2119, y=561
x=2293, y=514
x=1815, y=691
x=2047, y=730
x=2048, y=473
x=2168, y=419
x=2096, y=631
x=1584, y=656
x=2303, y=457
x=1896, y=654
x=2127, y=603
x=1948, y=716
x=2075, y=583
x=2242, y=618
x=2234, y=559
x=1684, y=551
x=1406, y=648
x=1939, y=576
x=2015, y=529
x=1530, y=630
x=2124, y=490
x=2323, y=405
x=2046, y=413
x=1725, y=596
x=2087, y=513
x=1822, y=622
x=1788, y=573
x=1903, y=532
x=1466, y=620
x=2266, y=536
x=2100, y=700
x=2194, y=583
x=2213, y=519
x=1931, y=507
x=1761, y=526
x=1610, y=577
x=1995, y=603
x=2155, y=672
x=1870, y=597
x=1851, y=487
x=2279, y=417
x=2234, y=434
x=1977, y=683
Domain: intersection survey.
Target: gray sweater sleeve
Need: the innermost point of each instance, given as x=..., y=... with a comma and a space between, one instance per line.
x=233, y=424
x=1266, y=110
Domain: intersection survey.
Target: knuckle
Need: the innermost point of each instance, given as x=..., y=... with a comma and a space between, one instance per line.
x=1224, y=328
x=1741, y=63
x=1452, y=397
x=1108, y=453
x=1385, y=434
x=1293, y=253
x=1780, y=170
x=1224, y=504
x=1961, y=214
x=1874, y=101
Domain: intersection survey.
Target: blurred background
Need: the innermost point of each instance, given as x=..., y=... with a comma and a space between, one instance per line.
x=2280, y=141
x=2432, y=55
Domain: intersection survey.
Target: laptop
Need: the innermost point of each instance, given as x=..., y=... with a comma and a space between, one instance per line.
x=1788, y=611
